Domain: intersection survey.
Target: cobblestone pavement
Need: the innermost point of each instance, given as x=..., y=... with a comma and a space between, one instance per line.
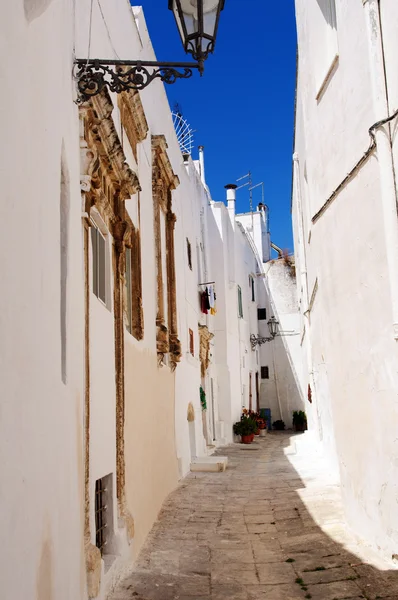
x=256, y=532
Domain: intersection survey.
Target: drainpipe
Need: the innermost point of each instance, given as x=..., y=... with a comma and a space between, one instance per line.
x=382, y=138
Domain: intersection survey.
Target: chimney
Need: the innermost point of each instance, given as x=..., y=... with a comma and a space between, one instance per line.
x=202, y=164
x=231, y=199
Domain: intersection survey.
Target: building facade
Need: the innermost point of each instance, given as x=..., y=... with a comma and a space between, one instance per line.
x=115, y=376
x=346, y=246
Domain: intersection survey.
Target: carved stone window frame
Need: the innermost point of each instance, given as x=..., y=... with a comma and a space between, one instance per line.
x=106, y=182
x=164, y=181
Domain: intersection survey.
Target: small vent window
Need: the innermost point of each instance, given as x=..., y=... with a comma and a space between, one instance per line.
x=264, y=373
x=262, y=314
x=240, y=305
x=189, y=254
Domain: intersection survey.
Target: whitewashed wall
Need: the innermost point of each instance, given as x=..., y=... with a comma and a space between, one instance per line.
x=41, y=425
x=351, y=352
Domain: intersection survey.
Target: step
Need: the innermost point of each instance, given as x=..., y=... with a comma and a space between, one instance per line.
x=209, y=464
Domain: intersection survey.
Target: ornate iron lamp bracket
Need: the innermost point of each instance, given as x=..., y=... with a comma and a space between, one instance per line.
x=259, y=340
x=93, y=75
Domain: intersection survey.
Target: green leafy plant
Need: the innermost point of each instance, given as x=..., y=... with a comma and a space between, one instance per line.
x=203, y=398
x=238, y=428
x=279, y=425
x=299, y=420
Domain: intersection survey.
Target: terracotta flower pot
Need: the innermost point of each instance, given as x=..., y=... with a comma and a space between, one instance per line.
x=247, y=439
x=252, y=436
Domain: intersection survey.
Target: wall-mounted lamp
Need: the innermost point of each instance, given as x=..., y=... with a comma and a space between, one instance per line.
x=197, y=22
x=273, y=326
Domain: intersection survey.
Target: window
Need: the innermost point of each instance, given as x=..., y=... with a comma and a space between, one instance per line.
x=99, y=264
x=191, y=343
x=251, y=285
x=129, y=299
x=262, y=314
x=264, y=373
x=103, y=512
x=240, y=305
x=189, y=254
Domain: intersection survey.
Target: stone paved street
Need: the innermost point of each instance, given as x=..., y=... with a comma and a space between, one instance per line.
x=259, y=531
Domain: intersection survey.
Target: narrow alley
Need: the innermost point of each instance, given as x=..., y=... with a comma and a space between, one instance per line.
x=258, y=531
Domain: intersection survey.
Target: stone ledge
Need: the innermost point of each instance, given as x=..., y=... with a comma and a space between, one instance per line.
x=212, y=464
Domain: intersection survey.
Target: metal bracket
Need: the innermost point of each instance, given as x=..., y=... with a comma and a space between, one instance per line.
x=259, y=340
x=93, y=75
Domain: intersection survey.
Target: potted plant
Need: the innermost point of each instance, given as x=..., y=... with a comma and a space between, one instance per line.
x=279, y=425
x=245, y=428
x=299, y=420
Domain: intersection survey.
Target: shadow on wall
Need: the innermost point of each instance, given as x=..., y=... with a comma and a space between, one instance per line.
x=282, y=393
x=247, y=534
x=35, y=8
x=329, y=11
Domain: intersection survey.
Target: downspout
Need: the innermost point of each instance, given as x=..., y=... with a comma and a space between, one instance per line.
x=382, y=137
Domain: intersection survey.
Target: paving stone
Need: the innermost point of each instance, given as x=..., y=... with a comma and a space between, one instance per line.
x=264, y=553
x=260, y=518
x=376, y=583
x=276, y=573
x=261, y=528
x=229, y=592
x=279, y=592
x=334, y=591
x=328, y=575
x=233, y=573
x=235, y=555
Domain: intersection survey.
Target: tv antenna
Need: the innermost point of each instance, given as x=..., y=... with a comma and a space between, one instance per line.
x=183, y=130
x=252, y=187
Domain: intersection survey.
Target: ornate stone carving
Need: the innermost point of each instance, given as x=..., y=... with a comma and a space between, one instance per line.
x=133, y=118
x=190, y=413
x=107, y=181
x=163, y=182
x=205, y=337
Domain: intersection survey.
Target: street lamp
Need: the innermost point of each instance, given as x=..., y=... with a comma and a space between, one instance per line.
x=197, y=22
x=273, y=326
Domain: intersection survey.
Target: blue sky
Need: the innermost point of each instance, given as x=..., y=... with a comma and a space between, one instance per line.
x=242, y=108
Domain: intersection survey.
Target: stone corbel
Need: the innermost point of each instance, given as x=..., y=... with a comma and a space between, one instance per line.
x=162, y=340
x=175, y=351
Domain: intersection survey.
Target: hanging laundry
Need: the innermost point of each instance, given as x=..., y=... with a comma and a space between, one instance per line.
x=203, y=302
x=212, y=301
x=207, y=299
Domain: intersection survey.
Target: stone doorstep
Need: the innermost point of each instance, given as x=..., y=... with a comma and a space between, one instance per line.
x=212, y=464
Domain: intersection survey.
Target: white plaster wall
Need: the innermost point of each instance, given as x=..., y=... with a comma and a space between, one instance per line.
x=41, y=425
x=353, y=353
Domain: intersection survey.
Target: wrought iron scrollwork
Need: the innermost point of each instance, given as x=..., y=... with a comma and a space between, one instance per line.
x=92, y=76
